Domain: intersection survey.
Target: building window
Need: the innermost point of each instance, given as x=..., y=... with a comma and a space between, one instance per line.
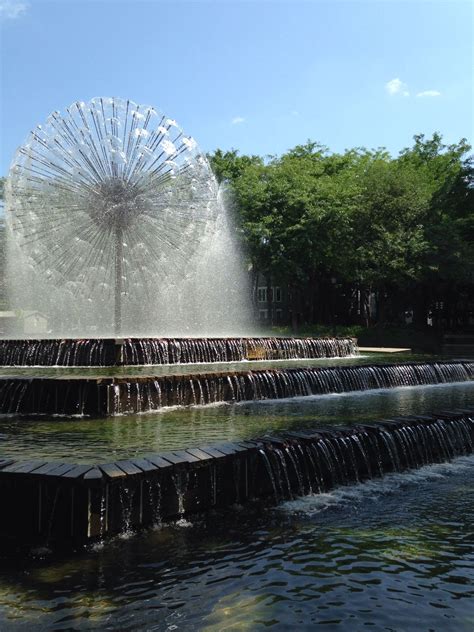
x=264, y=295
x=263, y=314
x=279, y=315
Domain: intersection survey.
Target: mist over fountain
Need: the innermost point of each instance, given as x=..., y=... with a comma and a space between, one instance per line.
x=116, y=227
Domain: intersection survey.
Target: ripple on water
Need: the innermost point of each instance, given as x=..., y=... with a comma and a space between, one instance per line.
x=394, y=554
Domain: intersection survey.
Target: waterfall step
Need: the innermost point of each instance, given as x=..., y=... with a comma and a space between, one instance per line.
x=68, y=504
x=100, y=397
x=155, y=351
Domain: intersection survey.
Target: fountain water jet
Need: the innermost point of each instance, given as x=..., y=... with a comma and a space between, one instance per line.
x=116, y=227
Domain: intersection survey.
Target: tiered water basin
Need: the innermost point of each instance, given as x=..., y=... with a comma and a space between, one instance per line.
x=94, y=396
x=100, y=450
x=343, y=467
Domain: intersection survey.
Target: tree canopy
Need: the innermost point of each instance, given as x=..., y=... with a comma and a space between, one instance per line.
x=397, y=228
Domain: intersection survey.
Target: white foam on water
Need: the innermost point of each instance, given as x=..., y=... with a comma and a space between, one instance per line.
x=360, y=393
x=375, y=488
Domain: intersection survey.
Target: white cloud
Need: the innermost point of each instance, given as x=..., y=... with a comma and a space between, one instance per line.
x=429, y=93
x=10, y=10
x=295, y=113
x=396, y=86
x=237, y=120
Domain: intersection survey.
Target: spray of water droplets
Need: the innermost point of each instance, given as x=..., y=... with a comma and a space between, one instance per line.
x=114, y=207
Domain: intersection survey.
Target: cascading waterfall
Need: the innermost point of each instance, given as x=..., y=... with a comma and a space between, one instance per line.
x=55, y=353
x=181, y=482
x=126, y=495
x=283, y=383
x=119, y=396
x=386, y=446
x=158, y=351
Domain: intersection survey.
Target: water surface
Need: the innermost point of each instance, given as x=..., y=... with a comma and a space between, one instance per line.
x=213, y=367
x=101, y=440
x=392, y=555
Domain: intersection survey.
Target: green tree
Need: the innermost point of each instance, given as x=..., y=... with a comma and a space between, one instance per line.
x=228, y=165
x=448, y=263
x=338, y=228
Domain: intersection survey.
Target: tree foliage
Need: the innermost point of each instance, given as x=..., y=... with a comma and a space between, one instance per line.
x=362, y=221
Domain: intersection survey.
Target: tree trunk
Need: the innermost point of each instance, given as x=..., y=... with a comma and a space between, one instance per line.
x=381, y=306
x=365, y=306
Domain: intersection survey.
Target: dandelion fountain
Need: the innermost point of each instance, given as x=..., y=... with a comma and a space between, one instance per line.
x=118, y=227
x=118, y=234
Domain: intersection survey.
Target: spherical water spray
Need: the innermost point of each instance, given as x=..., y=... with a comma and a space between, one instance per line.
x=109, y=200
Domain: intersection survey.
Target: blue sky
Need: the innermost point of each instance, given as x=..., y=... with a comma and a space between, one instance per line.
x=258, y=76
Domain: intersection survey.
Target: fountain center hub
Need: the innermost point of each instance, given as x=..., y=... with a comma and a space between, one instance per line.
x=115, y=203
